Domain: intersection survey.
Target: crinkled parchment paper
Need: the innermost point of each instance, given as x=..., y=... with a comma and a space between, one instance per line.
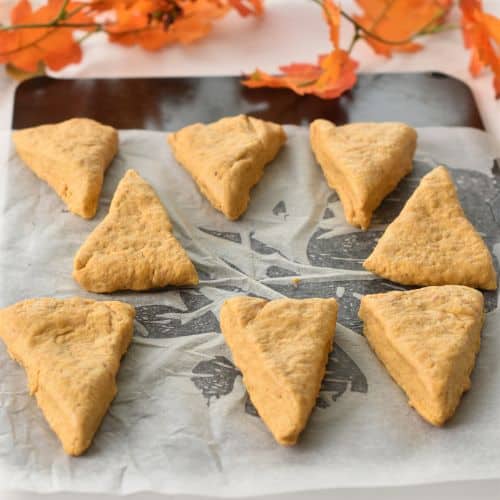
x=182, y=422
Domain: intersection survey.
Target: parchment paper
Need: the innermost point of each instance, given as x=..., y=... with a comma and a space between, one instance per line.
x=182, y=422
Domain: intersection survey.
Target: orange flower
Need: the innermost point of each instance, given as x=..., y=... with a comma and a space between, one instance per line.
x=334, y=73
x=399, y=20
x=25, y=48
x=153, y=24
x=481, y=34
x=141, y=22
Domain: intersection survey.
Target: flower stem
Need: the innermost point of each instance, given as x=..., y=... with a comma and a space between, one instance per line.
x=62, y=13
x=372, y=35
x=89, y=34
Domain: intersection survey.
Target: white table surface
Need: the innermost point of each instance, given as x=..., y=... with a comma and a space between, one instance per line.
x=291, y=30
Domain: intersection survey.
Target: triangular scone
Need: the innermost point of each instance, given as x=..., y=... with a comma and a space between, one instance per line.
x=428, y=340
x=71, y=157
x=432, y=243
x=281, y=347
x=133, y=248
x=227, y=158
x=71, y=351
x=363, y=162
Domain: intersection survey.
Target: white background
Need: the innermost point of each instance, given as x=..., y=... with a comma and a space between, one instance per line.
x=291, y=30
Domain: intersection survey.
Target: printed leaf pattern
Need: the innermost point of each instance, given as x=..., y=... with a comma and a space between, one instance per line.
x=216, y=377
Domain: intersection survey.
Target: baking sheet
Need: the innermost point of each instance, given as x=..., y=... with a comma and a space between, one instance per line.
x=182, y=421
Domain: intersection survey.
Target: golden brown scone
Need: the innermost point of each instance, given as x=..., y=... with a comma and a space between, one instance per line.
x=71, y=351
x=71, y=157
x=227, y=158
x=363, y=162
x=432, y=243
x=281, y=347
x=428, y=340
x=133, y=248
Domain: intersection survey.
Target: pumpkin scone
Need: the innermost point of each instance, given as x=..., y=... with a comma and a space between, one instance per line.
x=363, y=162
x=281, y=347
x=227, y=158
x=71, y=351
x=431, y=242
x=428, y=340
x=71, y=157
x=133, y=248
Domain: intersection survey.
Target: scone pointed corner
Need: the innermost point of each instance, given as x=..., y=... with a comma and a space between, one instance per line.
x=72, y=157
x=281, y=347
x=363, y=162
x=227, y=158
x=431, y=242
x=134, y=247
x=428, y=340
x=71, y=351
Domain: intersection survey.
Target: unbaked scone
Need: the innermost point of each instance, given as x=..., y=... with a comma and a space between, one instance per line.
x=363, y=162
x=281, y=347
x=428, y=340
x=71, y=157
x=71, y=351
x=431, y=242
x=227, y=158
x=133, y=248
